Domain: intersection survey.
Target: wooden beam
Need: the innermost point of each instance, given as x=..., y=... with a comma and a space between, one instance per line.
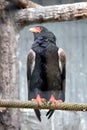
x=24, y=3
x=56, y=13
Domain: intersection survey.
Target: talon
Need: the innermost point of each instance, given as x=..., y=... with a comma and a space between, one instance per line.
x=39, y=100
x=53, y=100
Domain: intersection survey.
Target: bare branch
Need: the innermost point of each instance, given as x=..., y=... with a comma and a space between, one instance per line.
x=28, y=4
x=3, y=4
x=57, y=13
x=24, y=3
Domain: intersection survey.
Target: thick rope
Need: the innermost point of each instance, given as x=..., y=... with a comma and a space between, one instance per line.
x=33, y=104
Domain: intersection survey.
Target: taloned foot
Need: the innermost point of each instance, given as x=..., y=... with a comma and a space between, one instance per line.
x=53, y=100
x=39, y=100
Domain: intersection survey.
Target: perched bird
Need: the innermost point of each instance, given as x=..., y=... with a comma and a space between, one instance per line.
x=46, y=69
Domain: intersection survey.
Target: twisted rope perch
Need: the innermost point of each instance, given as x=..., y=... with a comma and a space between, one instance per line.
x=33, y=104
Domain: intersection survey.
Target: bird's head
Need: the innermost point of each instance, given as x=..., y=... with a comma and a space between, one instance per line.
x=40, y=31
x=37, y=29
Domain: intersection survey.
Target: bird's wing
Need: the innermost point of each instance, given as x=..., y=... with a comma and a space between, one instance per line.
x=62, y=65
x=30, y=68
x=30, y=63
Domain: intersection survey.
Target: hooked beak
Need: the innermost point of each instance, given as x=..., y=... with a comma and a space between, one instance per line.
x=35, y=30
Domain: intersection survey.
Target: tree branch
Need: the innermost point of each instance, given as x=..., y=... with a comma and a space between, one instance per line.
x=28, y=4
x=24, y=3
x=57, y=13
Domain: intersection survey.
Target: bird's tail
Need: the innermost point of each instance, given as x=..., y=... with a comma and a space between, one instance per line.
x=38, y=114
x=49, y=113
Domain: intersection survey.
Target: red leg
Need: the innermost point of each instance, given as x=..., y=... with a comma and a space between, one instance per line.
x=39, y=99
x=53, y=100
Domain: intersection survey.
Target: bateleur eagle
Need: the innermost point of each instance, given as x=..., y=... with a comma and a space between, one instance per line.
x=46, y=69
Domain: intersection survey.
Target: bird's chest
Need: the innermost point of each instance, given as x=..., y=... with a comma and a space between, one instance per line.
x=52, y=68
x=47, y=62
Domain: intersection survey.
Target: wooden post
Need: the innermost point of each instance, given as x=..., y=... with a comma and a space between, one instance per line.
x=8, y=70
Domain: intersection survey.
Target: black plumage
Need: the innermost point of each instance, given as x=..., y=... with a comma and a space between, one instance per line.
x=45, y=69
